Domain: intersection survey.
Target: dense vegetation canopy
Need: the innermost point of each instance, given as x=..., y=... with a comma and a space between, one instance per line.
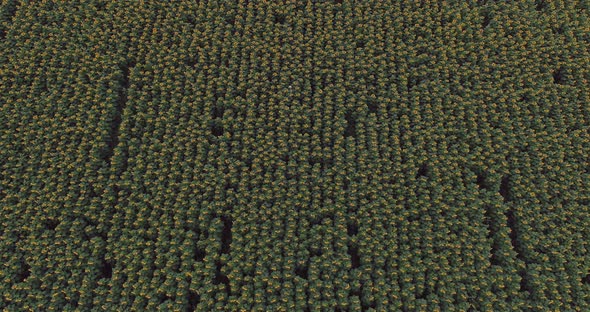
x=337, y=155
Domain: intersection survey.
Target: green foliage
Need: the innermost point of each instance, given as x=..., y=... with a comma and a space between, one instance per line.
x=294, y=155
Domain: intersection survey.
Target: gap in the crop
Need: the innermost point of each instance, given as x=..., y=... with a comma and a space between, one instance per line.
x=350, y=130
x=487, y=18
x=106, y=269
x=355, y=258
x=199, y=254
x=352, y=228
x=193, y=301
x=216, y=129
x=217, y=111
x=372, y=105
x=226, y=234
x=505, y=189
x=422, y=171
x=540, y=5
x=482, y=180
x=558, y=76
x=24, y=272
x=51, y=224
x=280, y=18
x=302, y=270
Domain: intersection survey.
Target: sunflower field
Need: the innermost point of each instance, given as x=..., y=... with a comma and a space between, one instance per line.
x=295, y=155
